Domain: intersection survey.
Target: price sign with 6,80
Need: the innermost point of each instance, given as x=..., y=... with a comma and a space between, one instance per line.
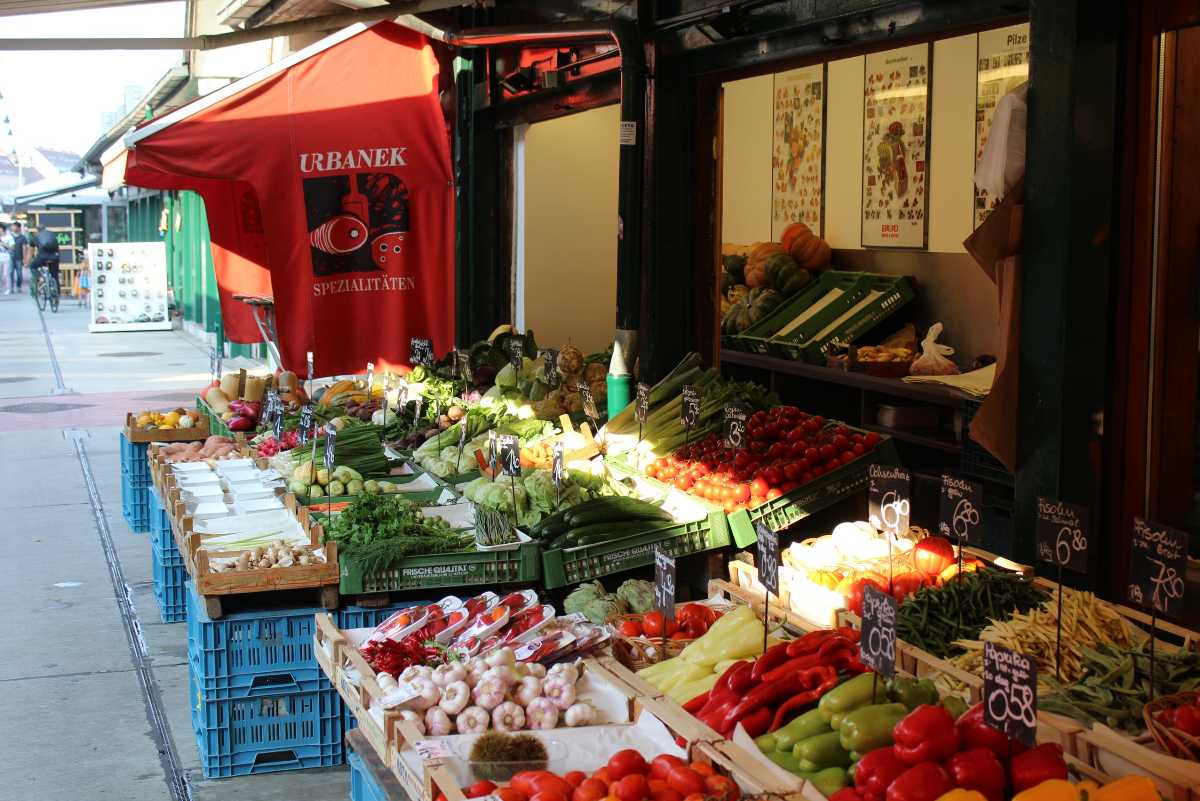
x=420, y=351
x=878, y=640
x=736, y=415
x=1157, y=565
x=889, y=499
x=1010, y=692
x=689, y=411
x=642, y=409
x=306, y=422
x=550, y=361
x=768, y=558
x=1062, y=534
x=510, y=455
x=961, y=505
x=516, y=353
x=330, y=440
x=664, y=584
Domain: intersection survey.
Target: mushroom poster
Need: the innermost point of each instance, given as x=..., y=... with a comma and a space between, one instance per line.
x=896, y=147
x=1002, y=58
x=797, y=151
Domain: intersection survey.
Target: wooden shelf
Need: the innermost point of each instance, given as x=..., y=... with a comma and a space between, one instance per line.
x=924, y=440
x=927, y=393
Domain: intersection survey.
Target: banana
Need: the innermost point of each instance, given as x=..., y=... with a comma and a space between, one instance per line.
x=505, y=328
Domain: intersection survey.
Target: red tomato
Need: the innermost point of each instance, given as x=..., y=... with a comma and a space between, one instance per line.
x=685, y=781
x=812, y=455
x=703, y=768
x=730, y=506
x=631, y=628
x=840, y=441
x=793, y=471
x=905, y=584
x=858, y=449
x=480, y=788
x=773, y=493
x=758, y=489
x=681, y=635
x=509, y=794
x=631, y=788
x=652, y=470
x=773, y=476
x=722, y=788
x=872, y=439
x=652, y=626
x=742, y=493
x=932, y=555
x=602, y=776
x=627, y=761
x=1187, y=719
x=811, y=425
x=684, y=483
x=590, y=790
x=847, y=457
x=661, y=767
x=854, y=593
x=827, y=452
x=547, y=795
x=666, y=794
x=550, y=783
x=522, y=782
x=778, y=451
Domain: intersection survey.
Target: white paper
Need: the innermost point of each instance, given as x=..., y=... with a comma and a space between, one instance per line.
x=458, y=515
x=785, y=778
x=418, y=484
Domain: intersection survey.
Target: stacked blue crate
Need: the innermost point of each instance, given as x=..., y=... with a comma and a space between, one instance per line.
x=363, y=786
x=361, y=617
x=259, y=701
x=167, y=563
x=135, y=485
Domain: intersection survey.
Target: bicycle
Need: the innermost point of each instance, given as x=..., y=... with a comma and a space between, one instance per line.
x=45, y=289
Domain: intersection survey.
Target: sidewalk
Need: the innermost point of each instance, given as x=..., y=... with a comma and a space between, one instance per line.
x=87, y=665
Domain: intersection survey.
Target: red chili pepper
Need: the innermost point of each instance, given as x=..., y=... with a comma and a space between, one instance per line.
x=791, y=666
x=797, y=702
x=756, y=722
x=1032, y=767
x=772, y=657
x=742, y=678
x=926, y=734
x=696, y=704
x=809, y=642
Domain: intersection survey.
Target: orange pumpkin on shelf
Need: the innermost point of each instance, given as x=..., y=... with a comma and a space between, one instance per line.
x=809, y=250
x=756, y=263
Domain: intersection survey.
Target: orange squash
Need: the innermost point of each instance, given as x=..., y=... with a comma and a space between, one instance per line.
x=809, y=250
x=796, y=230
x=762, y=252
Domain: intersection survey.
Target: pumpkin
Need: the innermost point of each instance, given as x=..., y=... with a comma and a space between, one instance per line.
x=756, y=305
x=756, y=275
x=793, y=232
x=761, y=252
x=737, y=292
x=808, y=249
x=737, y=319
x=735, y=265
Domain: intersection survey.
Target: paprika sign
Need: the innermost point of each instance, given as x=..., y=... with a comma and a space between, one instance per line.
x=1010, y=692
x=768, y=558
x=664, y=584
x=888, y=491
x=1157, y=565
x=1062, y=534
x=961, y=505
x=878, y=640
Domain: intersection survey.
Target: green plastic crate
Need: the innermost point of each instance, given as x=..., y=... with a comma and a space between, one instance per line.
x=757, y=338
x=564, y=566
x=818, y=494
x=872, y=299
x=215, y=424
x=519, y=565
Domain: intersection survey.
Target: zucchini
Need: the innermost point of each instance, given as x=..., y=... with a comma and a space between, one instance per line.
x=603, y=532
x=551, y=531
x=548, y=522
x=603, y=516
x=614, y=509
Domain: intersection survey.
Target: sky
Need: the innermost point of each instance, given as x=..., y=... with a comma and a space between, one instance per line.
x=55, y=98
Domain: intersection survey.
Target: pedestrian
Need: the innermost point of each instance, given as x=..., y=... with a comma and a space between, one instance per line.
x=20, y=245
x=6, y=245
x=47, y=253
x=85, y=281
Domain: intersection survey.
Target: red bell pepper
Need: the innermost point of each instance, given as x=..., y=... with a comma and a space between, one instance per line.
x=876, y=771
x=774, y=656
x=979, y=769
x=926, y=734
x=1032, y=767
x=828, y=679
x=977, y=734
x=925, y=782
x=742, y=679
x=847, y=794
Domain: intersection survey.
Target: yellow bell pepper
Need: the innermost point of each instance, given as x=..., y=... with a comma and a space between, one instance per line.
x=1050, y=790
x=962, y=795
x=735, y=635
x=685, y=691
x=1129, y=788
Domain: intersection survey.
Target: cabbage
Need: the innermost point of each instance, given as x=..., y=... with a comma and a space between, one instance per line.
x=506, y=378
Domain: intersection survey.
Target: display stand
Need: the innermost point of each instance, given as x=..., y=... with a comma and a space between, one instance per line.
x=128, y=287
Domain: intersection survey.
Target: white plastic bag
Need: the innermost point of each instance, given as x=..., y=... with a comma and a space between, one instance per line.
x=932, y=360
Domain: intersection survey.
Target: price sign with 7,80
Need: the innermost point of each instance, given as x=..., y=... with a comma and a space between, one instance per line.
x=1010, y=692
x=664, y=583
x=1062, y=534
x=1157, y=565
x=878, y=641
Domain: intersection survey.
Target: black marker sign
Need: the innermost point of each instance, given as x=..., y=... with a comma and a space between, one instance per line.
x=588, y=402
x=961, y=507
x=510, y=453
x=1010, y=692
x=888, y=491
x=878, y=640
x=1157, y=566
x=736, y=415
x=516, y=354
x=306, y=422
x=558, y=472
x=330, y=441
x=492, y=450
x=420, y=351
x=1062, y=530
x=462, y=361
x=689, y=411
x=642, y=409
x=664, y=584
x=553, y=377
x=768, y=558
x=370, y=377
x=308, y=358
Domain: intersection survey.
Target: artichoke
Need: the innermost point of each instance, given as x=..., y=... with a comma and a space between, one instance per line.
x=638, y=594
x=582, y=595
x=604, y=607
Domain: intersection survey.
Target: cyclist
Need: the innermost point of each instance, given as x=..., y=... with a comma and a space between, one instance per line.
x=47, y=253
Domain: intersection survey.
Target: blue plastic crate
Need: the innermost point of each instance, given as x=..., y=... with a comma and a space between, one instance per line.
x=360, y=617
x=264, y=734
x=135, y=508
x=363, y=786
x=249, y=643
x=170, y=588
x=160, y=524
x=134, y=465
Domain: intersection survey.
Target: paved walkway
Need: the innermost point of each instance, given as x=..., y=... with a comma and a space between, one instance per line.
x=93, y=688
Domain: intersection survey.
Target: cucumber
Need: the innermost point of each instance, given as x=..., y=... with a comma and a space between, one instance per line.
x=548, y=522
x=551, y=531
x=613, y=509
x=604, y=516
x=603, y=532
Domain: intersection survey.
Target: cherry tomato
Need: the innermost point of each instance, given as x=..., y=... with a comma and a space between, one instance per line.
x=847, y=457
x=742, y=493
x=602, y=776
x=552, y=784
x=549, y=795
x=722, y=788
x=703, y=768
x=773, y=493
x=590, y=790
x=480, y=788
x=666, y=794
x=812, y=454
x=522, y=781
x=627, y=760
x=1187, y=719
x=683, y=635
x=509, y=794
x=858, y=449
x=827, y=452
x=685, y=780
x=575, y=778
x=631, y=628
x=631, y=788
x=811, y=425
x=840, y=441
x=684, y=483
x=758, y=489
x=773, y=476
x=871, y=439
x=661, y=767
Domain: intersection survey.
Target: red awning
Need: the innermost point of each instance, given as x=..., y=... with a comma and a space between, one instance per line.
x=344, y=148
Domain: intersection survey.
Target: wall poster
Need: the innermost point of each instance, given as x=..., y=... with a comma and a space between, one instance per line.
x=798, y=149
x=1002, y=64
x=896, y=147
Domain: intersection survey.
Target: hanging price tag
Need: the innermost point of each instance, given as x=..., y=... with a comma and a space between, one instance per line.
x=1062, y=530
x=492, y=451
x=510, y=453
x=589, y=402
x=736, y=415
x=462, y=443
x=306, y=422
x=888, y=491
x=330, y=440
x=768, y=558
x=462, y=359
x=878, y=640
x=664, y=584
x=1157, y=566
x=420, y=351
x=558, y=472
x=550, y=359
x=308, y=358
x=516, y=353
x=418, y=405
x=1010, y=692
x=689, y=411
x=370, y=378
x=961, y=504
x=642, y=409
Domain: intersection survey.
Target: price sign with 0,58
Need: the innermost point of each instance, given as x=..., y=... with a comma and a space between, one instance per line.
x=1062, y=534
x=1157, y=566
x=1010, y=692
x=878, y=641
x=664, y=583
x=768, y=558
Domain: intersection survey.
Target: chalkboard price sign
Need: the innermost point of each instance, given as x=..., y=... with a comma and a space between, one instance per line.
x=492, y=450
x=277, y=426
x=330, y=441
x=1157, y=565
x=689, y=411
x=550, y=359
x=308, y=358
x=588, y=401
x=768, y=558
x=558, y=472
x=306, y=422
x=370, y=377
x=462, y=361
x=642, y=409
x=961, y=507
x=736, y=415
x=510, y=452
x=888, y=491
x=516, y=353
x=1062, y=534
x=878, y=641
x=420, y=351
x=1010, y=692
x=664, y=584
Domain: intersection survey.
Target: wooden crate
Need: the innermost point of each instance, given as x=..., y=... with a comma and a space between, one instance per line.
x=1114, y=754
x=1179, y=637
x=618, y=674
x=333, y=652
x=197, y=432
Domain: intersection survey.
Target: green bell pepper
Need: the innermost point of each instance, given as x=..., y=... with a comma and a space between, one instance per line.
x=870, y=727
x=956, y=706
x=820, y=752
x=912, y=692
x=785, y=760
x=810, y=724
x=827, y=781
x=850, y=695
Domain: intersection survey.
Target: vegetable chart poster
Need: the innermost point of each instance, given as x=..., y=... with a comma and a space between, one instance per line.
x=1002, y=59
x=797, y=149
x=896, y=147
